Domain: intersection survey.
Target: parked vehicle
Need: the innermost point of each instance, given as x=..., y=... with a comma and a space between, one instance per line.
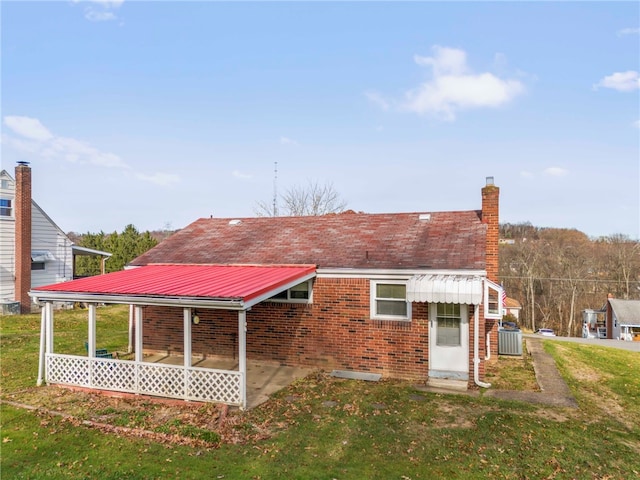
x=547, y=332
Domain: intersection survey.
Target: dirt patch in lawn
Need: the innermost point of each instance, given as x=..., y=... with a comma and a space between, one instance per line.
x=163, y=420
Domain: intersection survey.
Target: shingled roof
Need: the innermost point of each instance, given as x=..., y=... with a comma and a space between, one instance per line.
x=440, y=240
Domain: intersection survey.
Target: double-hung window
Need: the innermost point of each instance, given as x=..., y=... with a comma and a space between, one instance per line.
x=389, y=300
x=5, y=207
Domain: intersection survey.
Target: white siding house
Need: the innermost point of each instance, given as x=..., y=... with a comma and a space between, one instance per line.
x=51, y=252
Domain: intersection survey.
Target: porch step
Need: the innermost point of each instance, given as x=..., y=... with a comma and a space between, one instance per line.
x=448, y=383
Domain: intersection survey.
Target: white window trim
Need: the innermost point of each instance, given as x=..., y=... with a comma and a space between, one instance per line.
x=296, y=300
x=488, y=284
x=372, y=306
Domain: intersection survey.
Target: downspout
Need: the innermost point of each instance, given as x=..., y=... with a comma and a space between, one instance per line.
x=476, y=349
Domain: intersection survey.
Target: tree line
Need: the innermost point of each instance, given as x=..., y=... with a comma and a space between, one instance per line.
x=554, y=273
x=123, y=246
x=557, y=273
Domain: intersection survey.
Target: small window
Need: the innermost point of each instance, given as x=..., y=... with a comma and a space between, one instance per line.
x=300, y=293
x=389, y=300
x=37, y=265
x=5, y=207
x=448, y=325
x=493, y=300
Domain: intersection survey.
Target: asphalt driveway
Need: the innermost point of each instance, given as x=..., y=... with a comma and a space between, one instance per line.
x=631, y=346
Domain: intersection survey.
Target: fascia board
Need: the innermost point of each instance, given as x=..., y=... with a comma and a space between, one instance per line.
x=403, y=274
x=138, y=300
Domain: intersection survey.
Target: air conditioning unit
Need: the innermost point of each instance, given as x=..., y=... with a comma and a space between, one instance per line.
x=10, y=308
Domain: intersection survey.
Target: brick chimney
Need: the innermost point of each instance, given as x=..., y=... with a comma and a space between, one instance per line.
x=490, y=216
x=22, y=209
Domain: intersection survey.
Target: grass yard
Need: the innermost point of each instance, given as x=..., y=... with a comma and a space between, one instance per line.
x=320, y=427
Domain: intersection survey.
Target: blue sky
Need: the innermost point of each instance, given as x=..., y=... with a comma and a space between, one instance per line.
x=159, y=113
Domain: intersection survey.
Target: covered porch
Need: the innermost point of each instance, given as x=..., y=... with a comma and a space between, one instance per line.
x=225, y=287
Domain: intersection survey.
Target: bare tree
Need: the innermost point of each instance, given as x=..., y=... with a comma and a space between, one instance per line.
x=311, y=199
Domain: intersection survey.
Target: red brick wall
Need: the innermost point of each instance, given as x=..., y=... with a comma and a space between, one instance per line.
x=22, y=211
x=335, y=334
x=491, y=216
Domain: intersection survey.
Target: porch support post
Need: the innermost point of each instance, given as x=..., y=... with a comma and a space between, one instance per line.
x=49, y=327
x=131, y=317
x=91, y=342
x=187, y=337
x=187, y=349
x=242, y=356
x=138, y=339
x=43, y=327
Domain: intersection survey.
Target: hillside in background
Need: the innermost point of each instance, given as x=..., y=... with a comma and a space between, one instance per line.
x=556, y=273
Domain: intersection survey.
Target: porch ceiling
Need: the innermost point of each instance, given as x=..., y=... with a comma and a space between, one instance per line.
x=236, y=287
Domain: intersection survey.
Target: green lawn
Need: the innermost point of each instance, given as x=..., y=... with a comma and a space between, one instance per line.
x=326, y=428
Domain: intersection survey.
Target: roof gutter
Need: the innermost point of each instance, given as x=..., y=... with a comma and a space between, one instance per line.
x=42, y=296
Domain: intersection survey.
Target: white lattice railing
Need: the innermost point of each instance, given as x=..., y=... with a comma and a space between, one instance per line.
x=193, y=383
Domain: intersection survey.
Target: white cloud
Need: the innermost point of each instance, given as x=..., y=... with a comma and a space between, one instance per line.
x=446, y=61
x=628, y=31
x=162, y=179
x=556, y=171
x=39, y=141
x=526, y=174
x=378, y=99
x=621, y=81
x=240, y=175
x=636, y=124
x=453, y=87
x=96, y=16
x=287, y=141
x=28, y=127
x=100, y=10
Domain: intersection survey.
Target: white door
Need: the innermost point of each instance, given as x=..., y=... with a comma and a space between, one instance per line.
x=449, y=341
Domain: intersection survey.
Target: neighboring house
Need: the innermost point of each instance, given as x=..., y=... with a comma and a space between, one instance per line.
x=409, y=295
x=622, y=318
x=34, y=251
x=512, y=307
x=617, y=320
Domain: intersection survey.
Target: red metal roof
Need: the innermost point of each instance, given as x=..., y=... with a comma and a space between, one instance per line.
x=224, y=282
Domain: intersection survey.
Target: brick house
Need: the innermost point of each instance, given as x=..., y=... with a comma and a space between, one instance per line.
x=407, y=295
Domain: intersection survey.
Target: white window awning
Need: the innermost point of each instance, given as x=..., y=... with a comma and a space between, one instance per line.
x=446, y=289
x=42, y=256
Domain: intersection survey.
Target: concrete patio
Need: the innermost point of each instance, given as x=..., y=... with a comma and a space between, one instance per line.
x=263, y=378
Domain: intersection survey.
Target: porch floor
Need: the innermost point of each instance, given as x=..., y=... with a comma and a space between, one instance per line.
x=263, y=378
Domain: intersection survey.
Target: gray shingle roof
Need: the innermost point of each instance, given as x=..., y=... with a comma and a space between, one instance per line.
x=626, y=311
x=448, y=240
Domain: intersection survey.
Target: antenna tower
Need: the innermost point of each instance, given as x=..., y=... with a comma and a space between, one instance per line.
x=275, y=190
